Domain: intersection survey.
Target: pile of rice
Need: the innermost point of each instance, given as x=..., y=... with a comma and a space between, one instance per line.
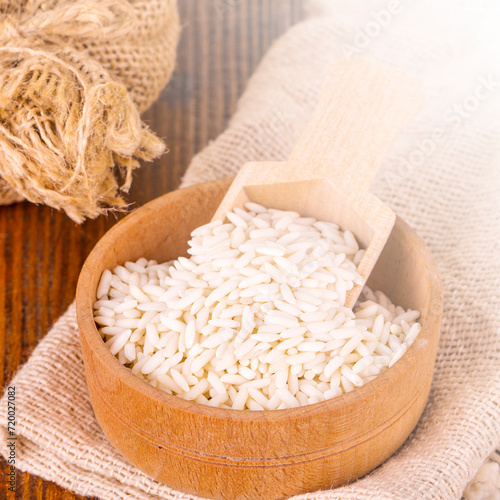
x=255, y=318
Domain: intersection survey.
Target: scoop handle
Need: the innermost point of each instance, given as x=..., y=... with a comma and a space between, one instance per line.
x=362, y=106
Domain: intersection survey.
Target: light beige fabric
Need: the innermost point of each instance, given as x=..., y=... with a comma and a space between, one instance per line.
x=442, y=176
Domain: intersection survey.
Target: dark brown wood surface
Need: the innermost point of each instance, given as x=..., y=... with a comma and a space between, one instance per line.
x=42, y=251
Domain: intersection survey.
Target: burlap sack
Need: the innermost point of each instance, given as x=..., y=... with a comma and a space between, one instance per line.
x=74, y=76
x=441, y=176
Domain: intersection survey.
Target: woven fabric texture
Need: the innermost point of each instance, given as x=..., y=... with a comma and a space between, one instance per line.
x=441, y=176
x=75, y=74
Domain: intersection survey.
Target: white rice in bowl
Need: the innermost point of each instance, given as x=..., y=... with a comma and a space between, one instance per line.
x=255, y=318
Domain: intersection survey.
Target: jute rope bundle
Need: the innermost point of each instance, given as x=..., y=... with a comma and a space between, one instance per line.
x=74, y=76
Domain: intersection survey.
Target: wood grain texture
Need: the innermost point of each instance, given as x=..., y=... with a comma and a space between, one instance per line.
x=42, y=251
x=230, y=454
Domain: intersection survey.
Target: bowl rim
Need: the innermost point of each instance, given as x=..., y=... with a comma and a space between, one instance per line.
x=89, y=332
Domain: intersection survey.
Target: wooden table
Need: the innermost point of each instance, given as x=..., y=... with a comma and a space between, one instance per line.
x=42, y=251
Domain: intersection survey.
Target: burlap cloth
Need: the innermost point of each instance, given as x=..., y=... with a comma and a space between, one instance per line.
x=441, y=176
x=74, y=76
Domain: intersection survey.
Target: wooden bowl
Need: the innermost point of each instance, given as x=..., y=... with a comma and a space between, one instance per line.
x=233, y=454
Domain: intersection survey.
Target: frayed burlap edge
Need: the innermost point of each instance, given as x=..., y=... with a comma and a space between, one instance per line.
x=70, y=133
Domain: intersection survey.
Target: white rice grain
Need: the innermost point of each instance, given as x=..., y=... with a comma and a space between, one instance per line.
x=254, y=318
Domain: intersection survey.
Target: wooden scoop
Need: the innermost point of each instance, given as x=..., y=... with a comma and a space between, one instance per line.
x=362, y=106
